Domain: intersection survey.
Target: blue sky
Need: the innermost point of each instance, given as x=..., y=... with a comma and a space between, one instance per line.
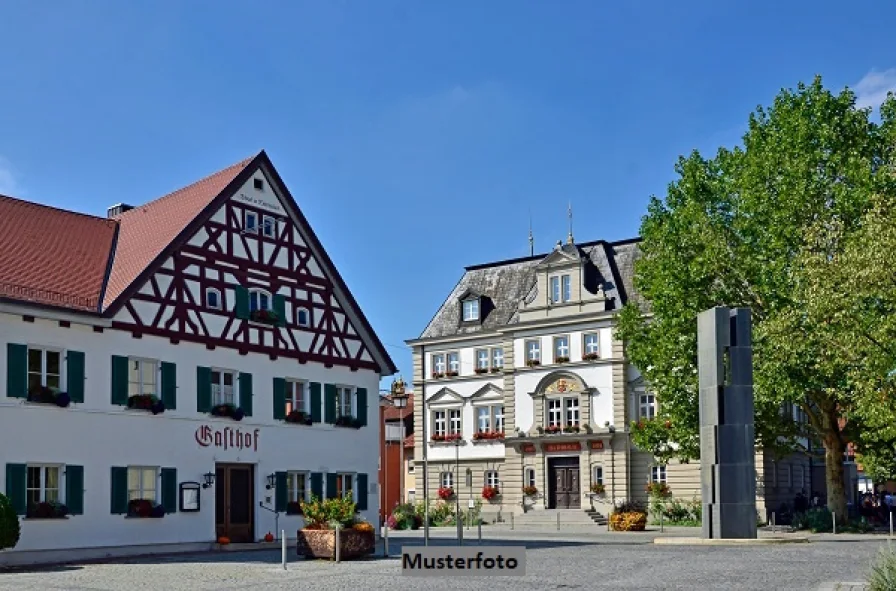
x=416, y=136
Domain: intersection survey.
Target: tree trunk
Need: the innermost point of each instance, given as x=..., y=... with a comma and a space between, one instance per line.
x=834, y=447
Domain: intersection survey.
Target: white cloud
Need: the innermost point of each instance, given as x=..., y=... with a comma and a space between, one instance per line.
x=8, y=184
x=872, y=89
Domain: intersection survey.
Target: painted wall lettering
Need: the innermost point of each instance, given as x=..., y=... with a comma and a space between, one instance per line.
x=597, y=445
x=227, y=438
x=562, y=447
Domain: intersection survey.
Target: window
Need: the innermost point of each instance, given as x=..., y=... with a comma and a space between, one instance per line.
x=440, y=425
x=647, y=406
x=412, y=496
x=530, y=476
x=251, y=222
x=446, y=479
x=438, y=364
x=142, y=377
x=297, y=484
x=213, y=299
x=295, y=396
x=561, y=349
x=658, y=474
x=572, y=411
x=555, y=412
x=454, y=423
x=344, y=485
x=410, y=463
x=499, y=418
x=597, y=475
x=591, y=344
x=484, y=419
x=482, y=359
x=222, y=387
x=259, y=184
x=259, y=300
x=269, y=226
x=42, y=485
x=142, y=483
x=491, y=478
x=497, y=358
x=555, y=290
x=471, y=310
x=561, y=289
x=303, y=317
x=44, y=368
x=533, y=350
x=344, y=400
x=453, y=363
x=567, y=288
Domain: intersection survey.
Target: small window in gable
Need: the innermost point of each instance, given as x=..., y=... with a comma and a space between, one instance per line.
x=251, y=222
x=471, y=309
x=303, y=317
x=259, y=184
x=259, y=299
x=269, y=226
x=213, y=299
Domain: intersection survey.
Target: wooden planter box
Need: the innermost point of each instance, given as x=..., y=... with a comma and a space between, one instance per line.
x=634, y=521
x=321, y=543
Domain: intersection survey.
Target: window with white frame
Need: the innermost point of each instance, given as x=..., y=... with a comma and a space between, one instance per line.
x=251, y=222
x=344, y=485
x=223, y=391
x=658, y=474
x=497, y=358
x=489, y=418
x=566, y=286
x=438, y=364
x=561, y=289
x=498, y=415
x=491, y=478
x=561, y=349
x=412, y=496
x=42, y=484
x=533, y=350
x=268, y=226
x=44, y=368
x=446, y=479
x=591, y=344
x=143, y=377
x=454, y=362
x=297, y=485
x=303, y=317
x=213, y=299
x=555, y=412
x=344, y=401
x=143, y=483
x=572, y=411
x=597, y=475
x=646, y=406
x=471, y=309
x=259, y=299
x=439, y=423
x=482, y=359
x=454, y=422
x=296, y=398
x=530, y=476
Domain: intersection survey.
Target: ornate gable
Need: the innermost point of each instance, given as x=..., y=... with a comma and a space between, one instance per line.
x=444, y=397
x=489, y=393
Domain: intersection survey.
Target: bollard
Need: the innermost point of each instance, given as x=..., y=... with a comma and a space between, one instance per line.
x=283, y=544
x=480, y=533
x=661, y=522
x=558, y=522
x=891, y=524
x=386, y=541
x=511, y=521
x=834, y=521
x=773, y=522
x=336, y=555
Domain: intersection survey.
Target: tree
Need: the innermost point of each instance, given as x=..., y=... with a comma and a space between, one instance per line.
x=10, y=530
x=736, y=230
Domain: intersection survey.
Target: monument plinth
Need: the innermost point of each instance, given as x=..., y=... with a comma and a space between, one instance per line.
x=727, y=436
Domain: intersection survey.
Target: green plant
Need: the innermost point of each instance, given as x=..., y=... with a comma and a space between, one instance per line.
x=328, y=513
x=10, y=529
x=883, y=571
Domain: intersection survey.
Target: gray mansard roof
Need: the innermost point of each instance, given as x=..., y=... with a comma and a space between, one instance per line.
x=507, y=283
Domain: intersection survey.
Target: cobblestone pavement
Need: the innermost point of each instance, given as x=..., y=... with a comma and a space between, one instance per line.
x=592, y=561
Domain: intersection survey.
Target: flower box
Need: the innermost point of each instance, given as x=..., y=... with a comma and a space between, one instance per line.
x=561, y=359
x=321, y=543
x=488, y=436
x=451, y=374
x=497, y=369
x=530, y=491
x=598, y=489
x=480, y=370
x=553, y=429
x=350, y=422
x=446, y=493
x=264, y=316
x=146, y=402
x=438, y=374
x=298, y=417
x=228, y=410
x=571, y=429
x=446, y=438
x=144, y=509
x=51, y=510
x=533, y=363
x=490, y=492
x=45, y=395
x=590, y=356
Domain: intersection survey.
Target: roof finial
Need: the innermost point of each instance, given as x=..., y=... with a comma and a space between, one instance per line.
x=531, y=238
x=569, y=239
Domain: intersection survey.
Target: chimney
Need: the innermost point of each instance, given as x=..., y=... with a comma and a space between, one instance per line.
x=118, y=209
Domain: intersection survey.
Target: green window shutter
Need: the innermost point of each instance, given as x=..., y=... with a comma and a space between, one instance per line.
x=279, y=305
x=74, y=489
x=15, y=487
x=242, y=302
x=16, y=370
x=119, y=380
x=314, y=389
x=362, y=492
x=169, y=490
x=331, y=485
x=317, y=485
x=362, y=406
x=279, y=399
x=329, y=403
x=74, y=370
x=203, y=389
x=119, y=490
x=246, y=393
x=169, y=385
x=281, y=494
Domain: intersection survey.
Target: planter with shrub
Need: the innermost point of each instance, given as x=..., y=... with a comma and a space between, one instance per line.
x=318, y=538
x=628, y=516
x=10, y=529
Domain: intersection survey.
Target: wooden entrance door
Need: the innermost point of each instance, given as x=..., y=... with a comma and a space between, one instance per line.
x=234, y=502
x=564, y=486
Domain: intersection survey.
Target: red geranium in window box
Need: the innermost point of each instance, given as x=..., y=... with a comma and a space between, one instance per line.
x=490, y=492
x=446, y=493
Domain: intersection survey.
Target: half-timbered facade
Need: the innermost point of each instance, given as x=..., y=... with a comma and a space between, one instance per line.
x=179, y=371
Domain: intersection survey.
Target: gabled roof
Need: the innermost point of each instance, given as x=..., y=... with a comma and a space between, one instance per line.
x=53, y=257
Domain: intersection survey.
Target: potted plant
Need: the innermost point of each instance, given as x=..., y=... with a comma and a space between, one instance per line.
x=47, y=395
x=446, y=493
x=264, y=316
x=147, y=402
x=598, y=489
x=298, y=417
x=530, y=491
x=228, y=410
x=347, y=421
x=490, y=492
x=144, y=508
x=628, y=516
x=322, y=517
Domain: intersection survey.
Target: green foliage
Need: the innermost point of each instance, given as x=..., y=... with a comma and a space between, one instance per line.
x=10, y=529
x=883, y=571
x=440, y=512
x=760, y=226
x=676, y=511
x=328, y=513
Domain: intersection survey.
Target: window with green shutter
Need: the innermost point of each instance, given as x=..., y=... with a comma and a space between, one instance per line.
x=169, y=489
x=74, y=489
x=332, y=485
x=330, y=403
x=362, y=493
x=169, y=385
x=246, y=393
x=118, y=494
x=317, y=485
x=242, y=302
x=361, y=399
x=279, y=399
x=75, y=375
x=314, y=390
x=281, y=492
x=16, y=370
x=119, y=380
x=203, y=389
x=15, y=487
x=279, y=306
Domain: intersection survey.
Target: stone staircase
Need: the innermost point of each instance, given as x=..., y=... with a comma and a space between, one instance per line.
x=568, y=517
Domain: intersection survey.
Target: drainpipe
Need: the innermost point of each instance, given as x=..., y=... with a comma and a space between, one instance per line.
x=612, y=469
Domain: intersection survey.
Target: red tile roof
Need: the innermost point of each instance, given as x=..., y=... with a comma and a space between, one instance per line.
x=409, y=441
x=52, y=256
x=147, y=230
x=390, y=413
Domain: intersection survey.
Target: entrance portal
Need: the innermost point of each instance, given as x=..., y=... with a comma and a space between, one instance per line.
x=564, y=483
x=234, y=502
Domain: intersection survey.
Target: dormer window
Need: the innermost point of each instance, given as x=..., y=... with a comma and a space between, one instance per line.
x=561, y=289
x=471, y=310
x=251, y=222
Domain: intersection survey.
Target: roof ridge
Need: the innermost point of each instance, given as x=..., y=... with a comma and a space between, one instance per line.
x=59, y=209
x=538, y=257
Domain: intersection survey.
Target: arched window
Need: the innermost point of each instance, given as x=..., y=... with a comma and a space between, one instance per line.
x=213, y=299
x=303, y=317
x=259, y=299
